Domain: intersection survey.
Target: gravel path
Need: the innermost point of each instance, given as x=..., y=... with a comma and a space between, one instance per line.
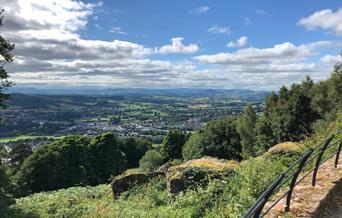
x=323, y=201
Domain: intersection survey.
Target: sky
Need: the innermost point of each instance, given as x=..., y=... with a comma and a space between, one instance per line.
x=245, y=44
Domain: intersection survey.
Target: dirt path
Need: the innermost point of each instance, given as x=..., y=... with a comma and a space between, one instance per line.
x=323, y=200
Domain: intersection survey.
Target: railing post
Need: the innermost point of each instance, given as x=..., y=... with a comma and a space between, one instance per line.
x=338, y=153
x=294, y=178
x=325, y=146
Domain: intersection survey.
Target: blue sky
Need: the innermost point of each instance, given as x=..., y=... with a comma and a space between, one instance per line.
x=154, y=23
x=211, y=44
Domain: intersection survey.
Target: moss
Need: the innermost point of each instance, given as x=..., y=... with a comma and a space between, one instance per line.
x=209, y=163
x=285, y=148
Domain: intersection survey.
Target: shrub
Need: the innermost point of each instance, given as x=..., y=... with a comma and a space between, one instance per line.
x=151, y=160
x=218, y=138
x=134, y=149
x=71, y=161
x=172, y=144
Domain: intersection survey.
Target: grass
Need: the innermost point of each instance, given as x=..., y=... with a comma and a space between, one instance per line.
x=286, y=147
x=210, y=163
x=20, y=138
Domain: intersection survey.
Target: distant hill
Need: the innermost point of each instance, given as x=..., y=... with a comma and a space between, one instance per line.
x=99, y=91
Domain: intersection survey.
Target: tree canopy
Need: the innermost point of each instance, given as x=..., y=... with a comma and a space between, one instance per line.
x=5, y=57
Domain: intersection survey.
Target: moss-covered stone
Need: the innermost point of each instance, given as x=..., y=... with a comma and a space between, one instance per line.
x=285, y=148
x=197, y=173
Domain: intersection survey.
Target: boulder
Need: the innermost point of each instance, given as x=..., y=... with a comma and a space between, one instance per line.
x=287, y=148
x=121, y=184
x=197, y=173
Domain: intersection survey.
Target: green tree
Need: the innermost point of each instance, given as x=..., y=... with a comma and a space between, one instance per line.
x=18, y=154
x=106, y=160
x=264, y=135
x=290, y=113
x=5, y=57
x=246, y=129
x=172, y=144
x=193, y=147
x=218, y=138
x=61, y=164
x=5, y=191
x=134, y=149
x=151, y=161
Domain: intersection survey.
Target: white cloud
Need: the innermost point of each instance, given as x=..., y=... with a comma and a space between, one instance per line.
x=177, y=47
x=240, y=42
x=50, y=50
x=199, y=10
x=117, y=30
x=331, y=59
x=279, y=53
x=219, y=29
x=266, y=67
x=261, y=12
x=325, y=19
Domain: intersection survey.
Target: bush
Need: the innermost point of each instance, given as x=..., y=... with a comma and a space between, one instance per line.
x=218, y=138
x=134, y=149
x=172, y=144
x=151, y=160
x=71, y=161
x=105, y=158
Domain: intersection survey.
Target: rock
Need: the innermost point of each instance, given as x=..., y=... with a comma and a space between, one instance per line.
x=164, y=168
x=195, y=173
x=121, y=184
x=287, y=148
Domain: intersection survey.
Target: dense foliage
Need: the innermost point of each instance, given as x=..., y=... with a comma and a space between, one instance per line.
x=134, y=149
x=246, y=129
x=71, y=161
x=5, y=190
x=172, y=145
x=289, y=115
x=105, y=158
x=219, y=138
x=5, y=57
x=151, y=160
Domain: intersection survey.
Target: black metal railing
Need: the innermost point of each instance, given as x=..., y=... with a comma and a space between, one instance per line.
x=303, y=165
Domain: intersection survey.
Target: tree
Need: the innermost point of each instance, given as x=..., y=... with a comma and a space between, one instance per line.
x=218, y=138
x=18, y=154
x=106, y=160
x=5, y=194
x=5, y=57
x=264, y=135
x=61, y=164
x=246, y=129
x=172, y=145
x=290, y=113
x=193, y=147
x=134, y=149
x=151, y=160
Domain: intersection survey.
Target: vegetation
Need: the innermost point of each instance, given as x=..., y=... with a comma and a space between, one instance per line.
x=71, y=161
x=293, y=119
x=246, y=129
x=151, y=160
x=5, y=57
x=134, y=149
x=219, y=138
x=172, y=145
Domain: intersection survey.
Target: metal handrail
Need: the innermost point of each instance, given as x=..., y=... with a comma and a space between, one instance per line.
x=256, y=209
